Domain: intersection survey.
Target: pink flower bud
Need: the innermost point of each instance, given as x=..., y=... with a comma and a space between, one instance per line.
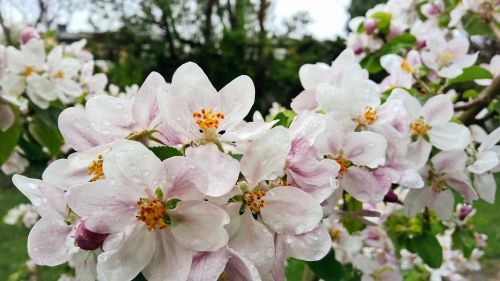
x=86, y=239
x=464, y=212
x=394, y=31
x=370, y=25
x=421, y=43
x=27, y=34
x=357, y=50
x=433, y=9
x=391, y=197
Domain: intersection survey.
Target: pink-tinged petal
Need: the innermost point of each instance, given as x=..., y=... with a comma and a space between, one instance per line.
x=365, y=148
x=131, y=163
x=391, y=63
x=443, y=204
x=47, y=199
x=108, y=207
x=245, y=131
x=170, y=261
x=240, y=268
x=332, y=139
x=183, y=179
x=438, y=110
x=49, y=242
x=486, y=187
x=208, y=266
x=178, y=116
x=413, y=58
x=254, y=241
x=490, y=140
x=410, y=178
x=291, y=210
x=199, y=225
x=65, y=173
x=265, y=158
x=418, y=153
x=278, y=269
x=221, y=169
x=460, y=181
x=417, y=200
x=7, y=117
x=304, y=101
x=450, y=161
x=110, y=115
x=85, y=266
x=363, y=185
x=77, y=130
x=304, y=130
x=310, y=246
x=133, y=255
x=316, y=177
x=191, y=85
x=450, y=136
x=312, y=74
x=145, y=106
x=466, y=60
x=237, y=99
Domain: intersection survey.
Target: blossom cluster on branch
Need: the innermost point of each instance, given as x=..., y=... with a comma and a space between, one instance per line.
x=376, y=179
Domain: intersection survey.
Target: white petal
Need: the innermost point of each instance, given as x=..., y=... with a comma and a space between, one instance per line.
x=438, y=110
x=290, y=210
x=265, y=158
x=486, y=187
x=221, y=169
x=363, y=185
x=77, y=130
x=199, y=225
x=443, y=204
x=310, y=246
x=183, y=179
x=170, y=261
x=418, y=153
x=48, y=242
x=306, y=100
x=312, y=74
x=365, y=148
x=145, y=106
x=208, y=266
x=490, y=140
x=110, y=115
x=237, y=99
x=417, y=199
x=130, y=258
x=449, y=161
x=449, y=136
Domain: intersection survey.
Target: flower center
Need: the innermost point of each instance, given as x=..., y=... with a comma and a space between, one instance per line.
x=95, y=169
x=438, y=184
x=28, y=70
x=406, y=66
x=446, y=58
x=419, y=127
x=254, y=200
x=370, y=115
x=152, y=212
x=335, y=234
x=59, y=74
x=206, y=119
x=344, y=164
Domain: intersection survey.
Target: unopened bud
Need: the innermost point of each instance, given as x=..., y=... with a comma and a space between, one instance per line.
x=370, y=25
x=27, y=34
x=86, y=239
x=357, y=50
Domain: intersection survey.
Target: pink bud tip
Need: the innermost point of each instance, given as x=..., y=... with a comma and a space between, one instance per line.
x=27, y=34
x=86, y=239
x=370, y=25
x=357, y=50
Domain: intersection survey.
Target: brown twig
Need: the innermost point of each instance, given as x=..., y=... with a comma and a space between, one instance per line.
x=473, y=107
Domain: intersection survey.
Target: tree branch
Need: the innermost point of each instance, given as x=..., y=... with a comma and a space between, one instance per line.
x=473, y=107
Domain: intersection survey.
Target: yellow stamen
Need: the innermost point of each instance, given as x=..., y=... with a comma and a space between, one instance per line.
x=28, y=70
x=446, y=57
x=370, y=115
x=224, y=276
x=95, y=169
x=344, y=164
x=419, y=127
x=206, y=119
x=59, y=74
x=254, y=200
x=335, y=234
x=406, y=66
x=152, y=212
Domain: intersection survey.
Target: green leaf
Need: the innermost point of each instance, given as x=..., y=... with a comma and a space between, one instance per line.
x=470, y=94
x=9, y=138
x=172, y=203
x=285, y=118
x=463, y=240
x=372, y=63
x=294, y=269
x=405, y=40
x=43, y=128
x=328, y=268
x=428, y=248
x=471, y=73
x=235, y=155
x=475, y=25
x=383, y=21
x=165, y=152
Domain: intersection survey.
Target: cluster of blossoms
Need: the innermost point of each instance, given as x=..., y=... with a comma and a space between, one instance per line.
x=169, y=181
x=41, y=76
